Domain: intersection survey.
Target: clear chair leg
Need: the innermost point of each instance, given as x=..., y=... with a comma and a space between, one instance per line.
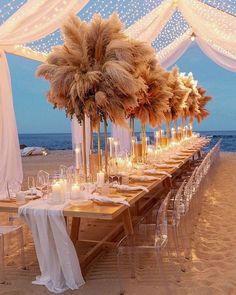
x=22, y=250
x=176, y=242
x=161, y=268
x=120, y=280
x=2, y=268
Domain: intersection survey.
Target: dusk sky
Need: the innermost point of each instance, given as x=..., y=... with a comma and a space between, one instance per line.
x=35, y=115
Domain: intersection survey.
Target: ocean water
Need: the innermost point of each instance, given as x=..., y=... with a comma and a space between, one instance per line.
x=62, y=141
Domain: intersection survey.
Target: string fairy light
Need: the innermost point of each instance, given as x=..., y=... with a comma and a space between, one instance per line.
x=193, y=36
x=130, y=12
x=8, y=8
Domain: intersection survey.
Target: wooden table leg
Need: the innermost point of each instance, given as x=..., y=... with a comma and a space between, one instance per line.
x=75, y=225
x=128, y=226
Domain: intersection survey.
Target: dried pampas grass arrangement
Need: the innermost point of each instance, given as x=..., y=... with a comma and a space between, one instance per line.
x=95, y=71
x=203, y=100
x=180, y=93
x=101, y=73
x=191, y=104
x=155, y=103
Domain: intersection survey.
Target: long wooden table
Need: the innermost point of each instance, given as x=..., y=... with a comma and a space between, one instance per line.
x=111, y=212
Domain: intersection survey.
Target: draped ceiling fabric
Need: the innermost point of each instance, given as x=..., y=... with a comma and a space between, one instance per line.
x=30, y=29
x=33, y=20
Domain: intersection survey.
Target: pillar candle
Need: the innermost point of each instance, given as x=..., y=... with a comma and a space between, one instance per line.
x=100, y=179
x=75, y=189
x=77, y=156
x=110, y=145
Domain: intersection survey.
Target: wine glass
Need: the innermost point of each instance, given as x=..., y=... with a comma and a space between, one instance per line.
x=42, y=181
x=12, y=188
x=31, y=185
x=63, y=171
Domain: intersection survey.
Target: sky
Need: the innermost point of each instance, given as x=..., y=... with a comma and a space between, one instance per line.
x=35, y=115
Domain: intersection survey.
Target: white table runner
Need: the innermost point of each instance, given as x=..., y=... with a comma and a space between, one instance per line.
x=58, y=261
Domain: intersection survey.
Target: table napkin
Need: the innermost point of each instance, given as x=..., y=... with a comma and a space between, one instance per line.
x=144, y=177
x=105, y=199
x=174, y=161
x=58, y=261
x=165, y=165
x=153, y=171
x=126, y=187
x=160, y=172
x=36, y=192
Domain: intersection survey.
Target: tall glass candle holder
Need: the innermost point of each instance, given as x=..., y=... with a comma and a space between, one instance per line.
x=78, y=156
x=156, y=136
x=110, y=139
x=133, y=148
x=116, y=145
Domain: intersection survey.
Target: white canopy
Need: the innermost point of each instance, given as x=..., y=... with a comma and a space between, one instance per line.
x=30, y=29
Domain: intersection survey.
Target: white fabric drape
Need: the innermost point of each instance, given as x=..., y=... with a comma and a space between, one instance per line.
x=123, y=136
x=77, y=134
x=220, y=59
x=10, y=160
x=215, y=31
x=210, y=23
x=149, y=26
x=170, y=54
x=58, y=261
x=36, y=19
x=32, y=21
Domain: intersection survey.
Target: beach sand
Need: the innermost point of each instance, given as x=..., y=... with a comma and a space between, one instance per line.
x=212, y=270
x=49, y=163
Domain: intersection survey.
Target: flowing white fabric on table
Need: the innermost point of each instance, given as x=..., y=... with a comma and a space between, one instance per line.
x=123, y=135
x=58, y=261
x=10, y=160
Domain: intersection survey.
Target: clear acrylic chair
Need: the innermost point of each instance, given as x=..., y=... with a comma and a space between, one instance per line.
x=7, y=233
x=176, y=230
x=148, y=239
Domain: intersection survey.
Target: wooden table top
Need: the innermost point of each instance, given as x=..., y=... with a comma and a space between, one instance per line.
x=110, y=211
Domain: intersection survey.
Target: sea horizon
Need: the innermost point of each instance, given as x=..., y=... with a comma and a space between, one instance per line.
x=63, y=141
x=42, y=133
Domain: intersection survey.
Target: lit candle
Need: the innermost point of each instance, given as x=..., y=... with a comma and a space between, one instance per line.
x=100, y=179
x=129, y=165
x=133, y=147
x=63, y=183
x=110, y=144
x=75, y=189
x=56, y=192
x=56, y=187
x=173, y=133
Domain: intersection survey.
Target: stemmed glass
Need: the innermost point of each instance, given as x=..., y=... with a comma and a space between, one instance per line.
x=31, y=185
x=42, y=181
x=13, y=188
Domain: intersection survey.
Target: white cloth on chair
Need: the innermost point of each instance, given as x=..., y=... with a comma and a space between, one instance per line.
x=58, y=261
